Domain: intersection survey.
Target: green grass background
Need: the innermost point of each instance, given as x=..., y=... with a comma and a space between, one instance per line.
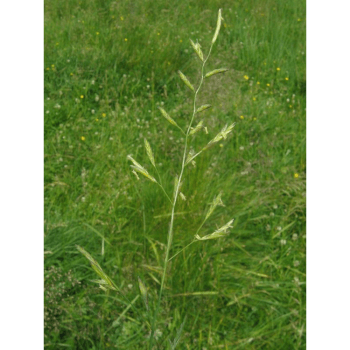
x=108, y=65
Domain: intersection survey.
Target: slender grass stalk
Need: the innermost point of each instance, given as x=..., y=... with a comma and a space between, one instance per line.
x=182, y=250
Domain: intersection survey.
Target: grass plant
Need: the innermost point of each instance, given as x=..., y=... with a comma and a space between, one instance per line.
x=187, y=159
x=109, y=68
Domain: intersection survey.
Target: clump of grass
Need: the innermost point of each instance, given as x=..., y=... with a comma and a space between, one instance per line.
x=188, y=159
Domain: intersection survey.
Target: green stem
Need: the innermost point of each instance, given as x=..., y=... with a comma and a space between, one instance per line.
x=181, y=130
x=165, y=192
x=182, y=250
x=161, y=185
x=160, y=179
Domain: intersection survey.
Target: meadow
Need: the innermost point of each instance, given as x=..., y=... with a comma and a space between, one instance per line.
x=109, y=65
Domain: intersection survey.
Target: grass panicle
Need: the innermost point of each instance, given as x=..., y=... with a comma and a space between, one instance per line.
x=188, y=156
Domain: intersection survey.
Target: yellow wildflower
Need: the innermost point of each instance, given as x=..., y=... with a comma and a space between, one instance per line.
x=97, y=33
x=81, y=96
x=286, y=78
x=103, y=115
x=242, y=117
x=258, y=83
x=126, y=39
x=296, y=175
x=246, y=77
x=267, y=84
x=278, y=68
x=82, y=138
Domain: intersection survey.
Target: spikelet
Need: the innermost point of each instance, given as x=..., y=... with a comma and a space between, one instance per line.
x=198, y=50
x=216, y=71
x=221, y=232
x=183, y=197
x=106, y=281
x=143, y=291
x=226, y=130
x=185, y=80
x=103, y=285
x=196, y=128
x=140, y=169
x=144, y=172
x=167, y=117
x=218, y=25
x=202, y=108
x=150, y=153
x=135, y=173
x=134, y=161
x=176, y=183
x=178, y=336
x=221, y=135
x=190, y=156
x=217, y=201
